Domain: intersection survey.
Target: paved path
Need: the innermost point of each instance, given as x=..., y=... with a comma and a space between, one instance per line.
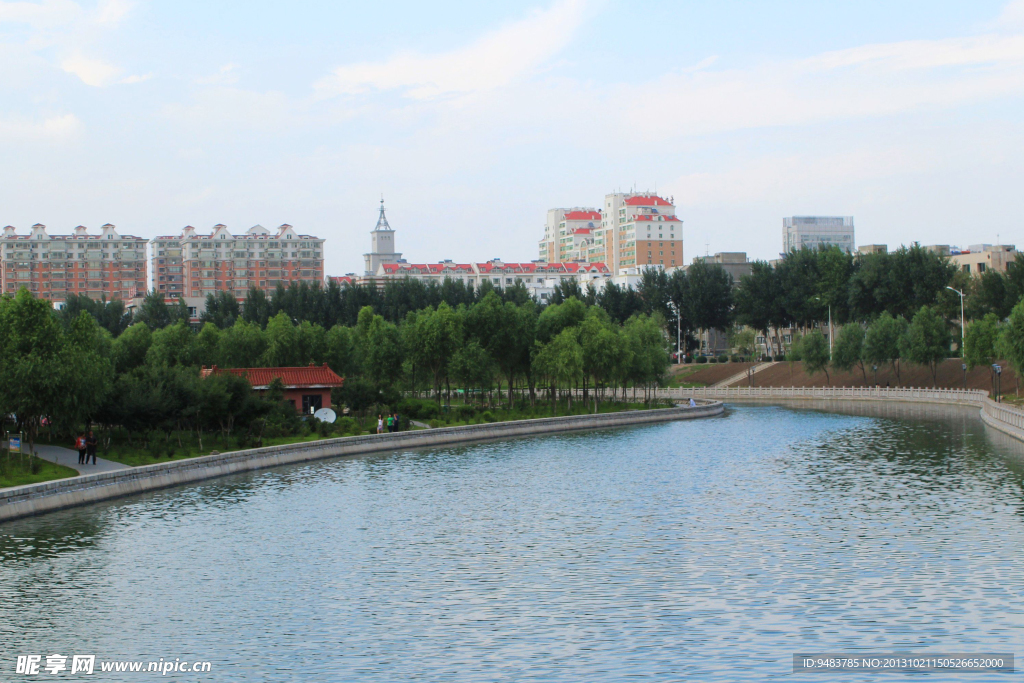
x=738, y=377
x=69, y=458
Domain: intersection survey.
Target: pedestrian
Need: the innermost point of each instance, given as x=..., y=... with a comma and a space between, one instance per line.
x=398, y=424
x=391, y=424
x=693, y=404
x=80, y=447
x=90, y=447
x=380, y=424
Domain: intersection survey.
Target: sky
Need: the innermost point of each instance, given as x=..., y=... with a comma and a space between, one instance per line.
x=472, y=119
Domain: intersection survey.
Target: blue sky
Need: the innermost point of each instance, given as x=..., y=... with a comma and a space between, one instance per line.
x=474, y=118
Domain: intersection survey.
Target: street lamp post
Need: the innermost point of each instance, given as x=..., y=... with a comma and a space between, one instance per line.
x=679, y=334
x=961, y=320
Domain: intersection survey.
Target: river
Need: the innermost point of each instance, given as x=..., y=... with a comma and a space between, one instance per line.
x=704, y=550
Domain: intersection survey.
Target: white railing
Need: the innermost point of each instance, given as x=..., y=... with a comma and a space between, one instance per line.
x=1003, y=413
x=971, y=396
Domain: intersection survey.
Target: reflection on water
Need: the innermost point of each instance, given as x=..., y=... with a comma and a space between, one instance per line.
x=703, y=550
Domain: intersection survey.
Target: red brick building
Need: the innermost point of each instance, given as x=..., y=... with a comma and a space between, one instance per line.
x=308, y=389
x=193, y=265
x=107, y=265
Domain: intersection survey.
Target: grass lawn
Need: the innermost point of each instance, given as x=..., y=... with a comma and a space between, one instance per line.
x=13, y=472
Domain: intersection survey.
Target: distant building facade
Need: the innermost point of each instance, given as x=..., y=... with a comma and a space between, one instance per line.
x=817, y=231
x=52, y=267
x=569, y=234
x=873, y=249
x=980, y=258
x=734, y=263
x=538, y=277
x=193, y=265
x=639, y=229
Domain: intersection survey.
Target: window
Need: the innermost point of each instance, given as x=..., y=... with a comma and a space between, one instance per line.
x=311, y=403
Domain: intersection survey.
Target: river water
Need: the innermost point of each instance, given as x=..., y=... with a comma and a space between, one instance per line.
x=699, y=550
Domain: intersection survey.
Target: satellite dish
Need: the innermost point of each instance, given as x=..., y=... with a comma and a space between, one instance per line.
x=325, y=415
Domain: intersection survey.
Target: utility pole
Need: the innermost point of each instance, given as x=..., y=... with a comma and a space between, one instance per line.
x=962, y=349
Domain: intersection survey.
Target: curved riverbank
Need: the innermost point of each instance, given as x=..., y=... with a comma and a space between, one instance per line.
x=24, y=501
x=999, y=416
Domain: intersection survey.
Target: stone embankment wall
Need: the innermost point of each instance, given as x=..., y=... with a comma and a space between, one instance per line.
x=1007, y=419
x=23, y=501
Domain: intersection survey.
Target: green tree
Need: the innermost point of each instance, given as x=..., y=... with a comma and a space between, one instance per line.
x=882, y=342
x=154, y=312
x=1011, y=340
x=242, y=345
x=814, y=352
x=472, y=367
x=282, y=343
x=172, y=345
x=848, y=349
x=131, y=347
x=981, y=340
x=759, y=301
x=926, y=341
x=709, y=304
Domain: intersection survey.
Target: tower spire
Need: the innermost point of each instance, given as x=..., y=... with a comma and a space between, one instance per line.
x=382, y=222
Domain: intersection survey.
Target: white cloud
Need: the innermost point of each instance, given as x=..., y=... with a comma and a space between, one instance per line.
x=139, y=78
x=52, y=128
x=873, y=80
x=226, y=75
x=1012, y=15
x=40, y=15
x=111, y=12
x=495, y=60
x=94, y=72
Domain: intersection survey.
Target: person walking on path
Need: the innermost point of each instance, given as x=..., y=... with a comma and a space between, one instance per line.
x=90, y=447
x=391, y=424
x=380, y=424
x=398, y=424
x=80, y=447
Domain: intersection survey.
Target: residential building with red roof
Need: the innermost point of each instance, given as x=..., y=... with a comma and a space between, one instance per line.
x=194, y=265
x=308, y=388
x=539, y=277
x=108, y=265
x=640, y=229
x=567, y=234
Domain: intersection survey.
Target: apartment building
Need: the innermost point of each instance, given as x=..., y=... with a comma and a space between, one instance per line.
x=193, y=265
x=104, y=266
x=980, y=258
x=538, y=277
x=817, y=231
x=641, y=229
x=569, y=234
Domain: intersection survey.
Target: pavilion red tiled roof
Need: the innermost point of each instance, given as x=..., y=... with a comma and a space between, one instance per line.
x=293, y=378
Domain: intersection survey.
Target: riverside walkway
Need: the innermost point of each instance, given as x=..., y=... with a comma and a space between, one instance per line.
x=69, y=458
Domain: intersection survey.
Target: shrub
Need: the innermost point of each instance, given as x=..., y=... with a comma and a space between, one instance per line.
x=735, y=358
x=701, y=359
x=723, y=358
x=465, y=412
x=712, y=359
x=488, y=416
x=687, y=359
x=418, y=408
x=435, y=423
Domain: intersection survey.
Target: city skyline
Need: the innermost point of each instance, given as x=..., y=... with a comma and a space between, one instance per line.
x=125, y=113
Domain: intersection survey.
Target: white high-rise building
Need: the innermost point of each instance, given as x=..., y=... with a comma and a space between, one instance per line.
x=815, y=231
x=382, y=244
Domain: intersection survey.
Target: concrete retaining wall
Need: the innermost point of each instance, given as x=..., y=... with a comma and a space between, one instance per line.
x=999, y=416
x=23, y=501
